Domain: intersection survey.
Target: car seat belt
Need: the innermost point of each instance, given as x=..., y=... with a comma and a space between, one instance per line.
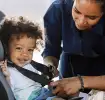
x=43, y=79
x=44, y=69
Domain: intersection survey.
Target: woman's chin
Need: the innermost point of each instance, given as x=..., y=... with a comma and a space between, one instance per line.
x=81, y=27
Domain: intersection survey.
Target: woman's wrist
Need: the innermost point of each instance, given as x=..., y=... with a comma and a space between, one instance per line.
x=85, y=80
x=81, y=82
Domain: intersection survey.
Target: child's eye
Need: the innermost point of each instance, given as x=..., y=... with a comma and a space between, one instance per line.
x=18, y=48
x=30, y=50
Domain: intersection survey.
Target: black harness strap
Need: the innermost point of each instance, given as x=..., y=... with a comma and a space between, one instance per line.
x=43, y=69
x=42, y=79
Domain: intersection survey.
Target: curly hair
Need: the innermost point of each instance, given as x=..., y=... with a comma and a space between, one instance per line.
x=21, y=26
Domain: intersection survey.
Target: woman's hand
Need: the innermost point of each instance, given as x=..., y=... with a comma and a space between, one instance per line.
x=5, y=71
x=54, y=71
x=52, y=61
x=66, y=86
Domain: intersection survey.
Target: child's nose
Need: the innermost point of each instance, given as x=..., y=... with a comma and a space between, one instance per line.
x=25, y=53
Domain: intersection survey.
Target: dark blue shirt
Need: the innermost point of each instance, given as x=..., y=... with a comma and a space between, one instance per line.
x=60, y=28
x=82, y=51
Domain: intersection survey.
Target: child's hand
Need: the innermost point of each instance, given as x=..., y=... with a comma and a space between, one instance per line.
x=5, y=71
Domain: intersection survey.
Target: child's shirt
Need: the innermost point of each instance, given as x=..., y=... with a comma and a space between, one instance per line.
x=23, y=87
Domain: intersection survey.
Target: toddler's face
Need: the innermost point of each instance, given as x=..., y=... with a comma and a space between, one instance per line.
x=21, y=50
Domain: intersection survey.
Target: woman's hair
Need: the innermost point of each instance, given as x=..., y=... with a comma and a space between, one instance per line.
x=102, y=2
x=18, y=28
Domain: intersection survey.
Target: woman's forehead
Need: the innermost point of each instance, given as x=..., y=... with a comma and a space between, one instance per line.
x=92, y=1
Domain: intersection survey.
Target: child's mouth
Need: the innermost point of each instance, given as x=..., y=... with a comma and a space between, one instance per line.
x=23, y=62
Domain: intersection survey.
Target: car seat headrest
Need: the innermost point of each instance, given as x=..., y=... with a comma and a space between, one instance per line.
x=1, y=52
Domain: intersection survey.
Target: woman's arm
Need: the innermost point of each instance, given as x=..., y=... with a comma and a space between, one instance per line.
x=71, y=86
x=94, y=82
x=53, y=31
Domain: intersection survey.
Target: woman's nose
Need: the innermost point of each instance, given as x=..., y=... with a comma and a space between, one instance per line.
x=82, y=20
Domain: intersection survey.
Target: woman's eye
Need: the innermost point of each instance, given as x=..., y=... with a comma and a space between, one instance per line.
x=92, y=18
x=77, y=11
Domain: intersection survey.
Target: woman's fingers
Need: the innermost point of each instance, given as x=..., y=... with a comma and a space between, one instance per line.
x=66, y=86
x=54, y=84
x=56, y=90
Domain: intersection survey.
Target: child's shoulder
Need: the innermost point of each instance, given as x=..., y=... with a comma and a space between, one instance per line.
x=13, y=71
x=31, y=68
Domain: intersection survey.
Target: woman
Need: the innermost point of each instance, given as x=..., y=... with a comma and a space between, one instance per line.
x=77, y=26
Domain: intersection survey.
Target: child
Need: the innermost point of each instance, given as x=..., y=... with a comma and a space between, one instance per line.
x=20, y=38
